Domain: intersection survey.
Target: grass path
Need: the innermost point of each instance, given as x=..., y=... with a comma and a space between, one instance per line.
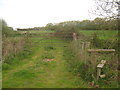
x=35, y=73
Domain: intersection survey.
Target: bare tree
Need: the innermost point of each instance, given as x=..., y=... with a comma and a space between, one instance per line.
x=107, y=8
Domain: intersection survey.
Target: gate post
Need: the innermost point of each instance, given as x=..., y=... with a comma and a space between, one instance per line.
x=74, y=36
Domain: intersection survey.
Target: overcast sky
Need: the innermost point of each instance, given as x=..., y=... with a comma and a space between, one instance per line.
x=35, y=13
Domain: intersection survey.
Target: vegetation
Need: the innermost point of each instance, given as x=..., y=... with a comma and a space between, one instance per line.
x=102, y=34
x=7, y=31
x=70, y=26
x=34, y=72
x=51, y=58
x=15, y=46
x=79, y=59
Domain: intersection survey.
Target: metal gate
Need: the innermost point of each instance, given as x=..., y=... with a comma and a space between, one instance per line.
x=56, y=39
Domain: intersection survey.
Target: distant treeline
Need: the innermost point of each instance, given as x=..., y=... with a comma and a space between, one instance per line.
x=96, y=24
x=27, y=29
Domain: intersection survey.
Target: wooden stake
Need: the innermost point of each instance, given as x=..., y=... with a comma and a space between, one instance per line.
x=98, y=72
x=99, y=67
x=74, y=36
x=82, y=45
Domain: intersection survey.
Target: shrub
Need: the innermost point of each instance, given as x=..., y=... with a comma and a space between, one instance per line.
x=7, y=31
x=104, y=43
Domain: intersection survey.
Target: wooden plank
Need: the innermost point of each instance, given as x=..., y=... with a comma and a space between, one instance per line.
x=100, y=65
x=102, y=76
x=101, y=50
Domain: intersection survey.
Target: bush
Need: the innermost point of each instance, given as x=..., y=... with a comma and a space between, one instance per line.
x=7, y=31
x=104, y=43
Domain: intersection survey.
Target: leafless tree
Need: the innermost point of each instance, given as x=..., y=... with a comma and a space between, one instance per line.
x=107, y=8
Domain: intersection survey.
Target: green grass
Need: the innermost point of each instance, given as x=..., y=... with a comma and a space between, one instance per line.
x=35, y=73
x=103, y=34
x=25, y=74
x=47, y=56
x=48, y=48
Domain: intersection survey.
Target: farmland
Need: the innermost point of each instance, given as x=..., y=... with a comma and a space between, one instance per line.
x=49, y=64
x=103, y=34
x=59, y=44
x=34, y=72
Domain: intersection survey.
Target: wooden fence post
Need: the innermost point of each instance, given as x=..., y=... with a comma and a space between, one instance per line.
x=74, y=36
x=99, y=67
x=83, y=44
x=87, y=45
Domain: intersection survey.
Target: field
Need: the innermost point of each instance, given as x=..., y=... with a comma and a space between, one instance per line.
x=103, y=34
x=47, y=66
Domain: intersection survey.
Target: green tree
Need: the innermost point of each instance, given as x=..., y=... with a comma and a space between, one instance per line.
x=6, y=31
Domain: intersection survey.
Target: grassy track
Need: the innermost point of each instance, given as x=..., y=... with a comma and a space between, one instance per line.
x=36, y=73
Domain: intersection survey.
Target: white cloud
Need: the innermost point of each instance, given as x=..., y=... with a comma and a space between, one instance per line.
x=31, y=13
